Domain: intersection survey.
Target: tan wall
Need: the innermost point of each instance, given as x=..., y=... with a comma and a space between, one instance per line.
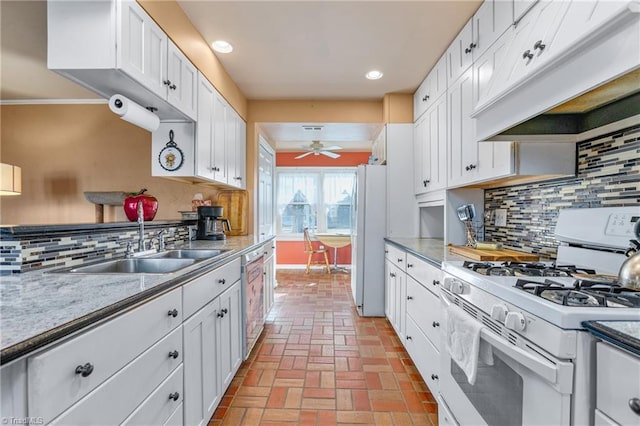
x=397, y=108
x=65, y=150
x=172, y=19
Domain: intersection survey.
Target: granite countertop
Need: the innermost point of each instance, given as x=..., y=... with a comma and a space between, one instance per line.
x=39, y=307
x=432, y=250
x=624, y=334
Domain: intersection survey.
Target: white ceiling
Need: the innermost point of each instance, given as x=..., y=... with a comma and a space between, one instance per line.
x=282, y=50
x=296, y=136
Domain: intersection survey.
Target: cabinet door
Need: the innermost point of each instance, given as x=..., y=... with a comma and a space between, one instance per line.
x=266, y=165
x=241, y=153
x=204, y=129
x=490, y=21
x=231, y=143
x=421, y=98
x=182, y=79
x=201, y=380
x=437, y=116
x=421, y=167
x=143, y=48
x=463, y=149
x=390, y=290
x=460, y=53
x=219, y=159
x=229, y=335
x=401, y=304
x=521, y=7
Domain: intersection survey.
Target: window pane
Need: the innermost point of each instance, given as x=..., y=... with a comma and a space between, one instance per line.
x=297, y=201
x=338, y=189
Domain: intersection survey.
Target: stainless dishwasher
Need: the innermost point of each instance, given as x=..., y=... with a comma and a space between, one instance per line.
x=253, y=298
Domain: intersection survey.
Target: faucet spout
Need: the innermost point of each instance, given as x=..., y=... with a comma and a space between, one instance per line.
x=140, y=227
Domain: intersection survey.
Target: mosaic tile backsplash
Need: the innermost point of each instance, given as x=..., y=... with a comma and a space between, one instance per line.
x=25, y=254
x=608, y=176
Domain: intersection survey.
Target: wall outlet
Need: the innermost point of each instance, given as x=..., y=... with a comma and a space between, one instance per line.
x=500, y=217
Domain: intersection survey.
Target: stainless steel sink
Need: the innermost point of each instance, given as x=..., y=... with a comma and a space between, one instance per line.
x=197, y=254
x=140, y=265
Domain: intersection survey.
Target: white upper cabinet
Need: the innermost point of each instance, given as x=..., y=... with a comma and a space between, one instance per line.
x=430, y=149
x=219, y=148
x=459, y=54
x=463, y=149
x=521, y=7
x=491, y=20
x=204, y=129
x=114, y=47
x=431, y=88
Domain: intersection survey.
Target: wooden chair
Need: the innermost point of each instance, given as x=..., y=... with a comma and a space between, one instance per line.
x=308, y=248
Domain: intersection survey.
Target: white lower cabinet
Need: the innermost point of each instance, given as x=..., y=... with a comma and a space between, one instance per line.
x=396, y=294
x=269, y=276
x=617, y=399
x=212, y=354
x=424, y=355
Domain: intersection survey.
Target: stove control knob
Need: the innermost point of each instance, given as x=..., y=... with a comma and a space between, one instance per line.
x=457, y=287
x=499, y=312
x=515, y=321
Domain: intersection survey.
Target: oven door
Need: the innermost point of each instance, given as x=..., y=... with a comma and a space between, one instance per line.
x=522, y=387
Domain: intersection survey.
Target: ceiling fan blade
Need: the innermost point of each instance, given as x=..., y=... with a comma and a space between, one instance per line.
x=332, y=148
x=303, y=155
x=330, y=154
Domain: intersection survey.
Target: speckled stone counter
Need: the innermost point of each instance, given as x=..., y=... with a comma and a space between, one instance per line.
x=624, y=334
x=431, y=250
x=39, y=307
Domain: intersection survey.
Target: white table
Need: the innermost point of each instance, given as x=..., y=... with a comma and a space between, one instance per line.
x=336, y=241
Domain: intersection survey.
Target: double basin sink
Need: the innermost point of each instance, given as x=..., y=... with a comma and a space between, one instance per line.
x=156, y=263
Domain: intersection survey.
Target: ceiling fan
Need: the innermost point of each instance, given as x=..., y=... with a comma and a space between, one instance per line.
x=316, y=148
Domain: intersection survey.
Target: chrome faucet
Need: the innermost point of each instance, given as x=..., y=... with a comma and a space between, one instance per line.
x=140, y=227
x=160, y=237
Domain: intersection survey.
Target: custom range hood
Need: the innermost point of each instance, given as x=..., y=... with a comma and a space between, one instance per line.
x=587, y=88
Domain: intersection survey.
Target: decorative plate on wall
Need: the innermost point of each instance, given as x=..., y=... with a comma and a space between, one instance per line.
x=171, y=157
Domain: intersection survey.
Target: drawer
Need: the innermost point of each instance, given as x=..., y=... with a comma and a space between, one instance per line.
x=269, y=249
x=424, y=355
x=204, y=289
x=176, y=417
x=425, y=309
x=612, y=394
x=445, y=416
x=161, y=404
x=53, y=379
x=397, y=256
x=602, y=420
x=425, y=273
x=116, y=398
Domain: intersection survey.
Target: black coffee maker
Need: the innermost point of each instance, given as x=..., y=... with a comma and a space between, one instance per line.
x=211, y=224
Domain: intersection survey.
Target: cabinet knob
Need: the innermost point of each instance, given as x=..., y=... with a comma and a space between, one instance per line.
x=470, y=167
x=173, y=313
x=220, y=315
x=634, y=404
x=167, y=82
x=470, y=48
x=425, y=98
x=409, y=297
x=392, y=275
x=222, y=281
x=539, y=45
x=386, y=252
x=225, y=311
x=527, y=54
x=173, y=87
x=409, y=265
x=434, y=377
x=409, y=338
x=436, y=282
x=84, y=370
x=399, y=260
x=174, y=354
x=175, y=396
x=435, y=324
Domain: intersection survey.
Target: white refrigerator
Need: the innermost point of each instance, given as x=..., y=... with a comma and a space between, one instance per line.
x=367, y=240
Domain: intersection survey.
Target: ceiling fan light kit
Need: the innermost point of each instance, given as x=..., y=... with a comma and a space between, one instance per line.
x=316, y=148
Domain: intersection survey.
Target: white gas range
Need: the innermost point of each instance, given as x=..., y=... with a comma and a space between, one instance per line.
x=532, y=315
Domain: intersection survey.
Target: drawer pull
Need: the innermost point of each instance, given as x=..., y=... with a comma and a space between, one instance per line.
x=425, y=98
x=225, y=311
x=386, y=252
x=527, y=55
x=222, y=281
x=539, y=45
x=174, y=354
x=84, y=370
x=399, y=260
x=434, y=377
x=435, y=324
x=409, y=297
x=392, y=274
x=634, y=404
x=220, y=315
x=409, y=338
x=436, y=282
x=409, y=265
x=175, y=396
x=173, y=313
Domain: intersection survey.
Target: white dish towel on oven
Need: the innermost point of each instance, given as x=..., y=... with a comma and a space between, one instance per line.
x=464, y=344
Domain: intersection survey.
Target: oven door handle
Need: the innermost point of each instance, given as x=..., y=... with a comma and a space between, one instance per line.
x=560, y=375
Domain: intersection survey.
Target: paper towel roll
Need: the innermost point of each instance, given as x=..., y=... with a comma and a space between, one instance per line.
x=133, y=113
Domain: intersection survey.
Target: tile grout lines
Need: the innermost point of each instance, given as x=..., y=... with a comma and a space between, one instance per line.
x=319, y=363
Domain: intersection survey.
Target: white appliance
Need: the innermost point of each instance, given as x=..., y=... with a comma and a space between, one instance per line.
x=543, y=369
x=367, y=240
x=253, y=281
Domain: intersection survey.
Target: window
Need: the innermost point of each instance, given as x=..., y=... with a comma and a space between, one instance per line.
x=316, y=198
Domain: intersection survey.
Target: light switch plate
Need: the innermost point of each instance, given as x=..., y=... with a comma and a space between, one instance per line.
x=501, y=217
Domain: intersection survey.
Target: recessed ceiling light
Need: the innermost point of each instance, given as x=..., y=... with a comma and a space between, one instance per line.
x=222, y=46
x=374, y=75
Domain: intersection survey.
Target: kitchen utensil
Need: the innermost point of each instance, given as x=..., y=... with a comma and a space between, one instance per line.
x=629, y=275
x=466, y=213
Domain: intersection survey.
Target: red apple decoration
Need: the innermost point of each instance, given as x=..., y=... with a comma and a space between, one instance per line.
x=149, y=205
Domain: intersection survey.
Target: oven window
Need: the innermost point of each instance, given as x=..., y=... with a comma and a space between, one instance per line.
x=497, y=393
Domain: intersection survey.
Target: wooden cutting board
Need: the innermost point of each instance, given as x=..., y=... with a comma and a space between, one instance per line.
x=235, y=204
x=493, y=255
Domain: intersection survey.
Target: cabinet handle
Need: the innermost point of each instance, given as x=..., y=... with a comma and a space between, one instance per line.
x=539, y=45
x=527, y=54
x=174, y=354
x=173, y=313
x=175, y=396
x=84, y=370
x=435, y=324
x=425, y=98
x=634, y=404
x=470, y=48
x=399, y=260
x=225, y=311
x=470, y=167
x=409, y=338
x=409, y=265
x=436, y=282
x=167, y=82
x=222, y=281
x=392, y=275
x=173, y=87
x=220, y=315
x=434, y=377
x=409, y=297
